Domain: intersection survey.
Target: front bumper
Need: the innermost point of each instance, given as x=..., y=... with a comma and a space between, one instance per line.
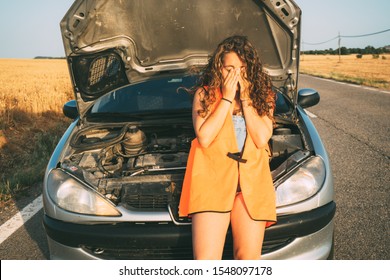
x=169, y=241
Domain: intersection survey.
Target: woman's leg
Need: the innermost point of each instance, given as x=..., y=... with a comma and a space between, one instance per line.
x=248, y=234
x=209, y=234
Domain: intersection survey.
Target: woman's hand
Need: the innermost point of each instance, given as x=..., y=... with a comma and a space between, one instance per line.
x=230, y=84
x=244, y=86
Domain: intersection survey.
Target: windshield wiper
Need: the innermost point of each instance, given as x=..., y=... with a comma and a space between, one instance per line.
x=110, y=115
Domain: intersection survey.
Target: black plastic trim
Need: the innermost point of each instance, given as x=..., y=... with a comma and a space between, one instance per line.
x=124, y=235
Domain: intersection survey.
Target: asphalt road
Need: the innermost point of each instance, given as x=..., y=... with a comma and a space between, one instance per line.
x=354, y=123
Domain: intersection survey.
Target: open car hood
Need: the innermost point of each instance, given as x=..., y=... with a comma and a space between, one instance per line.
x=110, y=44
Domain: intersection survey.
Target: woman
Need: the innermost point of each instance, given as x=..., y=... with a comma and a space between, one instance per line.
x=228, y=180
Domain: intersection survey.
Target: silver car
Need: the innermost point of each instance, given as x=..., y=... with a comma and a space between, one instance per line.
x=112, y=186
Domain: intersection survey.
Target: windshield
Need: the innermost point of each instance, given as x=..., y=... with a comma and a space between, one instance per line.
x=157, y=96
x=167, y=94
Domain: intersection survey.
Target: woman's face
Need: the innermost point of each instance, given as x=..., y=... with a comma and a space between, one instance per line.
x=231, y=62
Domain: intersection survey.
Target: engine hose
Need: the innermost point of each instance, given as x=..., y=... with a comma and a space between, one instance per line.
x=90, y=146
x=109, y=170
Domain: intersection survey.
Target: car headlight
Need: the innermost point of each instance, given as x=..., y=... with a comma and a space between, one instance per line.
x=303, y=183
x=70, y=194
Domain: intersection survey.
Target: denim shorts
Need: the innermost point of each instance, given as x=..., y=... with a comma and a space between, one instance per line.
x=240, y=130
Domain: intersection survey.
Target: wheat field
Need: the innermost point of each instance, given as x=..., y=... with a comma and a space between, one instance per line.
x=32, y=94
x=33, y=87
x=368, y=71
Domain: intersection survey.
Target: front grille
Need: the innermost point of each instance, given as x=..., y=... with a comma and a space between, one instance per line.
x=141, y=254
x=147, y=195
x=152, y=192
x=171, y=253
x=146, y=201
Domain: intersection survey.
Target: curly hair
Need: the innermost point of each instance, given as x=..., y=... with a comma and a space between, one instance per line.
x=260, y=89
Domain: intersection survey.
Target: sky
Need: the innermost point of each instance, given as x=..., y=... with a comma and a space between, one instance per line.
x=30, y=28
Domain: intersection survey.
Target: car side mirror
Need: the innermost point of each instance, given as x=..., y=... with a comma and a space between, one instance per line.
x=70, y=109
x=308, y=97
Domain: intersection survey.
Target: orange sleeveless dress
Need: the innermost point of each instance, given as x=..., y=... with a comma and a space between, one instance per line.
x=213, y=174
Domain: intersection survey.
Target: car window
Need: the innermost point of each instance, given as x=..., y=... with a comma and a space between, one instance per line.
x=158, y=95
x=154, y=95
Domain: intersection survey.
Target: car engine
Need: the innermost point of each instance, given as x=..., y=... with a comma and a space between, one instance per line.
x=143, y=167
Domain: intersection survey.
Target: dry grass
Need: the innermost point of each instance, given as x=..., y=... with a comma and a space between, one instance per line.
x=368, y=71
x=32, y=93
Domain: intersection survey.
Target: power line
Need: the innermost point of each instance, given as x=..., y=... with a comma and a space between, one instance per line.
x=356, y=36
x=346, y=36
x=321, y=42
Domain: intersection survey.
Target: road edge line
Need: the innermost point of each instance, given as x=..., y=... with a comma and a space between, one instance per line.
x=13, y=224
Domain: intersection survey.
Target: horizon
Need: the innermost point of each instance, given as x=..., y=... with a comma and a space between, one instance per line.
x=301, y=51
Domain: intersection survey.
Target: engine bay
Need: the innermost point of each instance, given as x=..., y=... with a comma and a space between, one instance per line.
x=142, y=167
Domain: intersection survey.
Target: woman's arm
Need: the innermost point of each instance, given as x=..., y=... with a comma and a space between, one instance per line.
x=259, y=127
x=208, y=127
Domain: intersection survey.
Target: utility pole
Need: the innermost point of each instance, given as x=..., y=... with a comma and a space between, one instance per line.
x=339, y=47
